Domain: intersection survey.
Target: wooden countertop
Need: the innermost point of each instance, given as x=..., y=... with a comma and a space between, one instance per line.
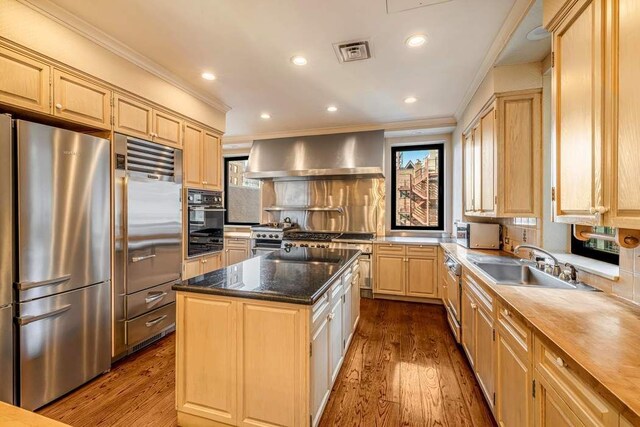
x=17, y=417
x=599, y=332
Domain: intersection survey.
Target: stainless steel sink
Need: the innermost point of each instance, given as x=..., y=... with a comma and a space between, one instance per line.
x=526, y=275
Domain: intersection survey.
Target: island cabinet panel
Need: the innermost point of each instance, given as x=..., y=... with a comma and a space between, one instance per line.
x=347, y=312
x=80, y=100
x=24, y=82
x=578, y=50
x=132, y=117
x=320, y=375
x=336, y=342
x=206, y=358
x=273, y=359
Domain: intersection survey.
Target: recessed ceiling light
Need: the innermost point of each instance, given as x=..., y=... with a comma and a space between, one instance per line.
x=265, y=116
x=208, y=76
x=299, y=60
x=332, y=108
x=538, y=33
x=410, y=99
x=416, y=40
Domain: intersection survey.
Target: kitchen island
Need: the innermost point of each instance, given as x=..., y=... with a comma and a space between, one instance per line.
x=262, y=341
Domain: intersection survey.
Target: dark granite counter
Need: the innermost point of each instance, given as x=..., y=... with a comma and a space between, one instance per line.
x=295, y=275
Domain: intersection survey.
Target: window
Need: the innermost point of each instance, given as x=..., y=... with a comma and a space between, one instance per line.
x=601, y=250
x=417, y=187
x=241, y=194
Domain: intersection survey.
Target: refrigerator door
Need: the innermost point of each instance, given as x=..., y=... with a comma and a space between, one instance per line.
x=6, y=354
x=65, y=341
x=154, y=232
x=6, y=212
x=63, y=210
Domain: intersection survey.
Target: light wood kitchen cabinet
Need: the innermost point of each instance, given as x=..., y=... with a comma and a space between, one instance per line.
x=502, y=174
x=236, y=250
x=406, y=270
x=210, y=359
x=167, y=129
x=202, y=265
x=550, y=410
x=468, y=324
x=80, y=100
x=202, y=158
x=24, y=82
x=577, y=85
x=132, y=117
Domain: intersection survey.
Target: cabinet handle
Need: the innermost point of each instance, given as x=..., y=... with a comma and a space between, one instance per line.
x=59, y=106
x=331, y=316
x=506, y=312
x=560, y=362
x=474, y=305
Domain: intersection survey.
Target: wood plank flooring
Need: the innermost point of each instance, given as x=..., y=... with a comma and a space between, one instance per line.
x=402, y=369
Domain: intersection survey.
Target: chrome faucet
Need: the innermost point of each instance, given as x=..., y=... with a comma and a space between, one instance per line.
x=553, y=269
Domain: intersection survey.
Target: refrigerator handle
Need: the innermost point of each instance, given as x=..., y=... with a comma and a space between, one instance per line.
x=23, y=286
x=22, y=321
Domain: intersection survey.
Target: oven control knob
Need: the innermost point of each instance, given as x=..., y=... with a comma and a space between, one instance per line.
x=271, y=236
x=304, y=245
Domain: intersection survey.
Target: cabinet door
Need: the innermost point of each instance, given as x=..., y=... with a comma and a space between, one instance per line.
x=355, y=300
x=80, y=100
x=485, y=351
x=193, y=142
x=625, y=172
x=468, y=173
x=212, y=263
x=206, y=356
x=390, y=274
x=131, y=117
x=24, y=82
x=551, y=410
x=235, y=254
x=167, y=129
x=468, y=320
x=336, y=344
x=513, y=383
x=212, y=162
x=320, y=375
x=487, y=126
x=347, y=315
x=477, y=168
x=578, y=50
x=192, y=268
x=520, y=189
x=422, y=276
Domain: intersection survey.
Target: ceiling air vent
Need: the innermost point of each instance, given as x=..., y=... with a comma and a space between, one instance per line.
x=353, y=51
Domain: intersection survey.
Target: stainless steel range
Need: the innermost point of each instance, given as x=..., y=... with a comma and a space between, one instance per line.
x=357, y=241
x=266, y=238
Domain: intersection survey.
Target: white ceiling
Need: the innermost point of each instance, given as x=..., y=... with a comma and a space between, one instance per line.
x=519, y=49
x=247, y=45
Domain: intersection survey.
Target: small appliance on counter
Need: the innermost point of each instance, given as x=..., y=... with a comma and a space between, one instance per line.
x=475, y=235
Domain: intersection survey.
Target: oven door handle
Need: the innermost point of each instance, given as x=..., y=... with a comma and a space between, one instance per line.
x=208, y=209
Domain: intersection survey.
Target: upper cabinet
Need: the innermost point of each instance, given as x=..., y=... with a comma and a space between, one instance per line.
x=80, y=100
x=502, y=152
x=596, y=110
x=136, y=118
x=24, y=82
x=202, y=158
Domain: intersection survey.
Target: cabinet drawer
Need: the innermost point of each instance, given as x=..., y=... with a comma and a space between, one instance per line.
x=150, y=324
x=513, y=327
x=335, y=291
x=390, y=249
x=150, y=299
x=319, y=311
x=422, y=250
x=589, y=406
x=483, y=297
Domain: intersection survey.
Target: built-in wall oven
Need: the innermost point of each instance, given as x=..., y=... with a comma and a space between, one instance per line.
x=205, y=223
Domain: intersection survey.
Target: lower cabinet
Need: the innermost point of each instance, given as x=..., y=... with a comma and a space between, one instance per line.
x=406, y=270
x=336, y=341
x=468, y=320
x=235, y=250
x=202, y=265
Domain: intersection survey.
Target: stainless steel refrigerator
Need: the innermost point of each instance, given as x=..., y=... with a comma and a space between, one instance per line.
x=62, y=282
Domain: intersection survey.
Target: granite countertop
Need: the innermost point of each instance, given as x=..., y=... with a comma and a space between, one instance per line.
x=599, y=332
x=295, y=275
x=430, y=241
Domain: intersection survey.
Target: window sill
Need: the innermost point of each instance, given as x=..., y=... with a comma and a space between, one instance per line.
x=591, y=266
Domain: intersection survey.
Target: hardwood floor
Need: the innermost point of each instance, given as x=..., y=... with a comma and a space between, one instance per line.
x=403, y=369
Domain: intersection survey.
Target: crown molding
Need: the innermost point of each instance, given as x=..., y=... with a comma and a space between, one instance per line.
x=72, y=22
x=447, y=124
x=515, y=16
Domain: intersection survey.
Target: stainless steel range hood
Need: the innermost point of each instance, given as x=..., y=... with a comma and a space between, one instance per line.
x=344, y=154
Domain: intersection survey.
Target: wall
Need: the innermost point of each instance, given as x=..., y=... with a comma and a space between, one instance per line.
x=25, y=26
x=448, y=179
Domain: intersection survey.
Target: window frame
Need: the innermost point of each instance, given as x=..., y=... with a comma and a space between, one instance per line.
x=226, y=191
x=578, y=248
x=422, y=146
